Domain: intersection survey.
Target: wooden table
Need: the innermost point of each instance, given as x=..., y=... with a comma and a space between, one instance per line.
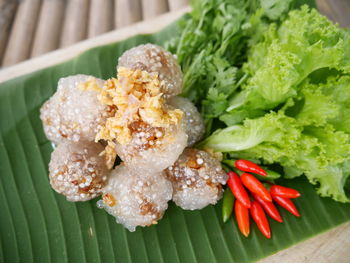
x=29, y=28
x=332, y=246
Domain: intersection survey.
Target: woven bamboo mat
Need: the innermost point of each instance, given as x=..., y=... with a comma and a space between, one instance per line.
x=29, y=28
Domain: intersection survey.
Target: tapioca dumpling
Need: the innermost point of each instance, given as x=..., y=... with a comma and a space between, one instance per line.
x=153, y=148
x=77, y=171
x=197, y=179
x=194, y=123
x=155, y=60
x=136, y=197
x=74, y=113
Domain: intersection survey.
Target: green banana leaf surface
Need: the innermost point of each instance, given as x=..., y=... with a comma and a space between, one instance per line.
x=38, y=225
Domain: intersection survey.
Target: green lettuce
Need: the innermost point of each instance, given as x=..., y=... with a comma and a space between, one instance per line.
x=286, y=56
x=276, y=138
x=293, y=107
x=318, y=109
x=339, y=90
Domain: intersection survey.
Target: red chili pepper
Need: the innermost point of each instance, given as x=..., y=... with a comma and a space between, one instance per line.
x=270, y=208
x=248, y=166
x=284, y=191
x=260, y=219
x=255, y=186
x=286, y=204
x=242, y=216
x=235, y=184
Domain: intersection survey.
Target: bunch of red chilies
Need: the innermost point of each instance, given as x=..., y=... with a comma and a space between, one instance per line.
x=262, y=198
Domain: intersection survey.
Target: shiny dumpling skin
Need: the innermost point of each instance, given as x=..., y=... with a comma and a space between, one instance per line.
x=154, y=59
x=194, y=122
x=197, y=179
x=167, y=145
x=77, y=171
x=134, y=197
x=72, y=113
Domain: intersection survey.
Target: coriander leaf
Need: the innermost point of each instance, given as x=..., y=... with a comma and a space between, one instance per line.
x=214, y=104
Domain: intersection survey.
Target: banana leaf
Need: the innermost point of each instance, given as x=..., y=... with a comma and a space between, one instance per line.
x=38, y=225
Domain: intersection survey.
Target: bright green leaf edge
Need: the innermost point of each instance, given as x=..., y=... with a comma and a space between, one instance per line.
x=38, y=225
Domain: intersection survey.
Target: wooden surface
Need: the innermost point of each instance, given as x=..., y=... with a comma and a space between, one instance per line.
x=7, y=12
x=336, y=10
x=332, y=246
x=63, y=54
x=48, y=30
x=20, y=41
x=29, y=28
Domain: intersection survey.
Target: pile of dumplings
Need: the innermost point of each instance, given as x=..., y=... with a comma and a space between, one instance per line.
x=138, y=117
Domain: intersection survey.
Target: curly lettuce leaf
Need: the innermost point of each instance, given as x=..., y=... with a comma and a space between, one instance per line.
x=277, y=138
x=304, y=43
x=334, y=145
x=317, y=108
x=272, y=128
x=236, y=117
x=339, y=89
x=331, y=181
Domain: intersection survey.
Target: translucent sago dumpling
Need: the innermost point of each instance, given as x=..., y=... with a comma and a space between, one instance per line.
x=77, y=171
x=73, y=112
x=197, y=179
x=144, y=131
x=136, y=198
x=155, y=60
x=153, y=148
x=194, y=123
